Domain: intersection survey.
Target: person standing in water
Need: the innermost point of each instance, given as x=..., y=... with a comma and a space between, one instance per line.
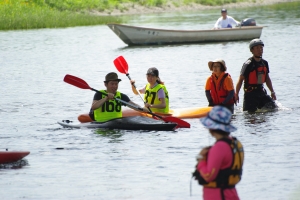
x=254, y=73
x=219, y=89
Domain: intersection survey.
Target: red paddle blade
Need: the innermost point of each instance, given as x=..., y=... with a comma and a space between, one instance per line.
x=121, y=65
x=78, y=82
x=180, y=123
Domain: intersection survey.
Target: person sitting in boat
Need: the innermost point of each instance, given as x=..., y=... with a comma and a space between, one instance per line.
x=156, y=96
x=104, y=106
x=226, y=21
x=219, y=88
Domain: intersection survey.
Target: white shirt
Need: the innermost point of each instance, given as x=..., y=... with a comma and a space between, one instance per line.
x=229, y=22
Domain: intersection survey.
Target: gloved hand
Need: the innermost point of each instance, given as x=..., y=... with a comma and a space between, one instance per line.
x=210, y=103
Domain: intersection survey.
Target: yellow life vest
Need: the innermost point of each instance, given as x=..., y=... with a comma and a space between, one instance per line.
x=111, y=109
x=151, y=97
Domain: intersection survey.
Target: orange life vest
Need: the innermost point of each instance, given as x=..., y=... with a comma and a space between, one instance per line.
x=257, y=75
x=218, y=93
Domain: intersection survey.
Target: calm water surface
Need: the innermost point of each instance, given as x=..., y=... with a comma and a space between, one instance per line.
x=114, y=164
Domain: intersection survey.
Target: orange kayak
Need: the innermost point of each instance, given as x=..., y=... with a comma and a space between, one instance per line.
x=182, y=113
x=12, y=156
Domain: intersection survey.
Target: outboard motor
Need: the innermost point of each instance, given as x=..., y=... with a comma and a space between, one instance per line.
x=248, y=22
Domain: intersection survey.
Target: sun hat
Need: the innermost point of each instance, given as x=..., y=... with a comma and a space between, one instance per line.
x=218, y=119
x=153, y=71
x=210, y=63
x=112, y=76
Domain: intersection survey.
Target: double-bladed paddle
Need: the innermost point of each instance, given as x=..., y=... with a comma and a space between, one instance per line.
x=78, y=82
x=122, y=67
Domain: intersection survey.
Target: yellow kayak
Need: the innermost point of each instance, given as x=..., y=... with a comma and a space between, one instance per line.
x=182, y=113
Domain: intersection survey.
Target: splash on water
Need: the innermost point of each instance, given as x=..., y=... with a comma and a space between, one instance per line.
x=15, y=165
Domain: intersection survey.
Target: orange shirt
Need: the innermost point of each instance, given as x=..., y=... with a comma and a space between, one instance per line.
x=227, y=85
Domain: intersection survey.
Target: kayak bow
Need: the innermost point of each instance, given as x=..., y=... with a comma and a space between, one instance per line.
x=12, y=156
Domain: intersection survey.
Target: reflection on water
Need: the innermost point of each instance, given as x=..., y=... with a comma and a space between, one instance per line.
x=295, y=193
x=255, y=118
x=114, y=135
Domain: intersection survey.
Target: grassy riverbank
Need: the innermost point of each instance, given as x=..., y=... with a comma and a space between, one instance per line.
x=32, y=14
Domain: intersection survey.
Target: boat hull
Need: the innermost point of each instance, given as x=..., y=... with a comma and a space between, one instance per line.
x=134, y=35
x=125, y=123
x=12, y=156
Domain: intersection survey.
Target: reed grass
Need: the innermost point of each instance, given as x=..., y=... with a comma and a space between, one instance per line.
x=32, y=14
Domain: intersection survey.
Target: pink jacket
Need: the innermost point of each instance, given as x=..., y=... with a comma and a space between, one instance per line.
x=219, y=157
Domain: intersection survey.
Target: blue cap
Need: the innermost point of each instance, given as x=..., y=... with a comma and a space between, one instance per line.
x=218, y=119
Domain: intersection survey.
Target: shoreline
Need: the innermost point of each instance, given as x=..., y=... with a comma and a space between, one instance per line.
x=133, y=9
x=30, y=17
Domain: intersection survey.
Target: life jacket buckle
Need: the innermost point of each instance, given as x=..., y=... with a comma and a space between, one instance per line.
x=250, y=89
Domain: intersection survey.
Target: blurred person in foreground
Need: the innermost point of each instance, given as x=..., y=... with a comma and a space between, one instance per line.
x=219, y=167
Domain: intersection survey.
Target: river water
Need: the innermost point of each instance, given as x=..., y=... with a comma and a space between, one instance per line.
x=118, y=164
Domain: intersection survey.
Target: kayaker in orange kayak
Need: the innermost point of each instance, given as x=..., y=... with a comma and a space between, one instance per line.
x=156, y=96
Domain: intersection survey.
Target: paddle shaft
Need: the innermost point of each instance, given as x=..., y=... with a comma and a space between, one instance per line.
x=137, y=91
x=130, y=105
x=120, y=100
